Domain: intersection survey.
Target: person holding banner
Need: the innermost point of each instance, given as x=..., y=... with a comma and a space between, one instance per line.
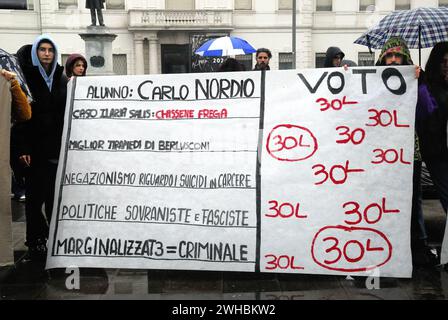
x=38, y=140
x=432, y=119
x=20, y=111
x=396, y=52
x=20, y=108
x=263, y=56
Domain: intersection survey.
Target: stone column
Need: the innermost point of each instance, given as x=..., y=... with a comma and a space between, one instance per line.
x=139, y=56
x=99, y=51
x=153, y=55
x=305, y=57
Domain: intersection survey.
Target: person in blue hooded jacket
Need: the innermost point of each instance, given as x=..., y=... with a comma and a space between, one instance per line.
x=38, y=140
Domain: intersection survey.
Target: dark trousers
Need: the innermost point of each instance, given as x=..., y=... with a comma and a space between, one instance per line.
x=93, y=16
x=18, y=177
x=418, y=230
x=438, y=169
x=40, y=180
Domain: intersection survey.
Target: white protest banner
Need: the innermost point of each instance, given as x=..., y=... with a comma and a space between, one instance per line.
x=337, y=175
x=162, y=172
x=159, y=172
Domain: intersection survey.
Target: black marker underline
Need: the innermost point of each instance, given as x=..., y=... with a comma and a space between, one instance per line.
x=167, y=223
x=150, y=258
x=131, y=186
x=172, y=100
x=180, y=119
x=183, y=151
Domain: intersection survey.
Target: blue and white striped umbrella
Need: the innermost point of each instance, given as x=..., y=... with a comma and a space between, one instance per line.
x=10, y=63
x=225, y=46
x=420, y=28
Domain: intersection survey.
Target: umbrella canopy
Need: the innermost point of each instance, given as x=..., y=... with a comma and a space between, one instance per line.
x=420, y=28
x=10, y=63
x=225, y=46
x=348, y=63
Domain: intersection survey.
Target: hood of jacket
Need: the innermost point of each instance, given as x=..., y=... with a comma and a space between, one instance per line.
x=71, y=61
x=395, y=45
x=24, y=56
x=330, y=54
x=36, y=62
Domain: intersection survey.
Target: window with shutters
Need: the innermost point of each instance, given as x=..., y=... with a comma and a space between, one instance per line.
x=285, y=60
x=114, y=4
x=246, y=60
x=64, y=4
x=243, y=4
x=320, y=59
x=366, y=59
x=284, y=4
x=402, y=4
x=364, y=4
x=120, y=64
x=179, y=4
x=324, y=5
x=17, y=4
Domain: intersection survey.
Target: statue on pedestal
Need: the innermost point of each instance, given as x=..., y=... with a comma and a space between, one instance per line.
x=96, y=5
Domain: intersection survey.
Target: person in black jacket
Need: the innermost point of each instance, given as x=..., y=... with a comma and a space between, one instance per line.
x=38, y=141
x=432, y=119
x=333, y=57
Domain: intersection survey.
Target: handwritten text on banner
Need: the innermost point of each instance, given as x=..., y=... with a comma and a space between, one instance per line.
x=299, y=171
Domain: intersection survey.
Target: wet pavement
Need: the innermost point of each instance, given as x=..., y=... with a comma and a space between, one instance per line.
x=28, y=280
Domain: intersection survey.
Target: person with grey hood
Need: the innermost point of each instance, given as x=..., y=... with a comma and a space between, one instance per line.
x=38, y=140
x=333, y=57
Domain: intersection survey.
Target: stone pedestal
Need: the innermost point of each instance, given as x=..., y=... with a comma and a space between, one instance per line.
x=99, y=50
